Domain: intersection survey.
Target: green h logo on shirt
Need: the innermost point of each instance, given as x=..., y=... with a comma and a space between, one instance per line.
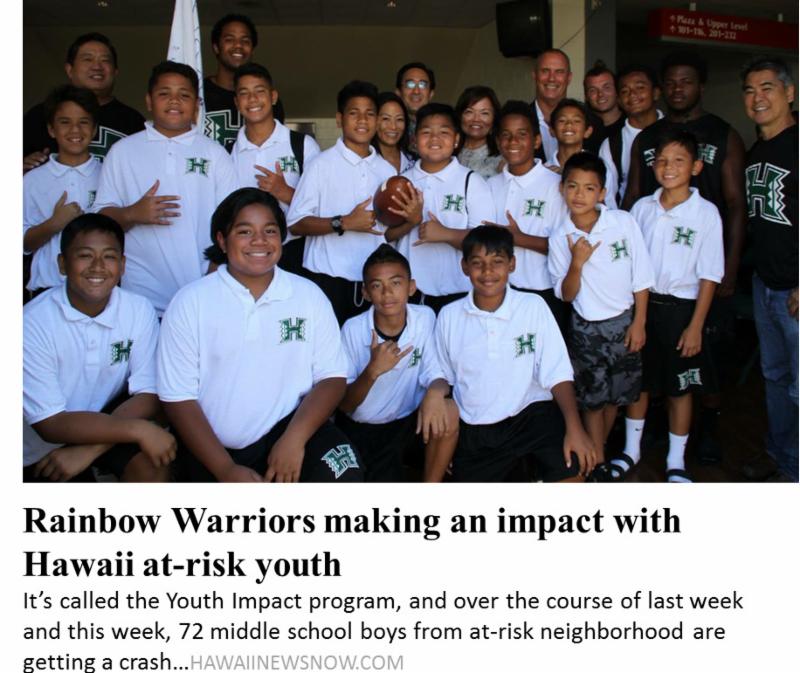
x=120, y=350
x=707, y=153
x=685, y=236
x=765, y=192
x=296, y=330
x=416, y=357
x=288, y=164
x=453, y=202
x=691, y=377
x=534, y=207
x=525, y=343
x=619, y=249
x=340, y=459
x=195, y=165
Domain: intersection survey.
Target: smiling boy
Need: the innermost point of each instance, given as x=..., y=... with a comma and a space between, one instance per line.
x=86, y=344
x=391, y=362
x=162, y=186
x=447, y=199
x=504, y=356
x=59, y=191
x=683, y=234
x=526, y=196
x=250, y=364
x=331, y=206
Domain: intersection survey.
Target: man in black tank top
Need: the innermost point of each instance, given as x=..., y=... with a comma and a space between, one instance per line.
x=771, y=176
x=683, y=76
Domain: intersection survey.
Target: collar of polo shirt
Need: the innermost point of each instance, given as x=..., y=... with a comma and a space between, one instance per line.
x=677, y=211
x=530, y=176
x=108, y=318
x=184, y=139
x=442, y=175
x=279, y=134
x=602, y=223
x=58, y=169
x=503, y=311
x=279, y=289
x=408, y=328
x=351, y=156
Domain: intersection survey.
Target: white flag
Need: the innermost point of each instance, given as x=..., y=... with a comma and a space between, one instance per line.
x=184, y=43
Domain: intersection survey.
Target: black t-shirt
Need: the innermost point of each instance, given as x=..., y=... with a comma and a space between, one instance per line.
x=222, y=115
x=115, y=121
x=772, y=205
x=712, y=135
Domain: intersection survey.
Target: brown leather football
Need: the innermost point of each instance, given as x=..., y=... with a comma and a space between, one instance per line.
x=383, y=199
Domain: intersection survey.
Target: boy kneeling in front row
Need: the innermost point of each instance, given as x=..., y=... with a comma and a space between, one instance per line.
x=250, y=363
x=391, y=360
x=502, y=352
x=86, y=344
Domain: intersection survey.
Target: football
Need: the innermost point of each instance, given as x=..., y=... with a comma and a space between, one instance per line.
x=383, y=200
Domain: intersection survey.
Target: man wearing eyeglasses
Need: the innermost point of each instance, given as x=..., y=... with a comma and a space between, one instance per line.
x=415, y=84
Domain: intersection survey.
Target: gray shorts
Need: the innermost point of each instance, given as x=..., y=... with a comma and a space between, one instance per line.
x=605, y=371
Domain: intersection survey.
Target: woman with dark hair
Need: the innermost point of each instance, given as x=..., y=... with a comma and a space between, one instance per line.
x=477, y=109
x=391, y=139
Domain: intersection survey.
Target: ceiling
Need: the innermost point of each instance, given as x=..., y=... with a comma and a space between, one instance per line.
x=438, y=13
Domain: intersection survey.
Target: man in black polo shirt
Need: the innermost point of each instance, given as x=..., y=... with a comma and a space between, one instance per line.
x=772, y=208
x=91, y=64
x=683, y=77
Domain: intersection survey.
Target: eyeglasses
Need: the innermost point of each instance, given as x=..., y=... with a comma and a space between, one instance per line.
x=412, y=84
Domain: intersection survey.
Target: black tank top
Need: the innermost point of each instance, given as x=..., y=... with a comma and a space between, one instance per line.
x=712, y=135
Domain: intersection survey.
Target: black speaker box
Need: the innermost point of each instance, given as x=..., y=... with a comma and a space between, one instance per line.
x=523, y=27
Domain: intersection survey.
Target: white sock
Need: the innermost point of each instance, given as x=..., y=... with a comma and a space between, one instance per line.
x=634, y=427
x=677, y=447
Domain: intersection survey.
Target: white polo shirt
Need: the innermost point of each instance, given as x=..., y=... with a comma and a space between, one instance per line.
x=535, y=202
x=498, y=363
x=610, y=185
x=42, y=188
x=436, y=267
x=335, y=183
x=276, y=148
x=617, y=269
x=398, y=392
x=73, y=362
x=685, y=243
x=163, y=258
x=629, y=134
x=549, y=141
x=247, y=363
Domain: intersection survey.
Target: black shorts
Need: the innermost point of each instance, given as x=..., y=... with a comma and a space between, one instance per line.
x=114, y=461
x=329, y=456
x=384, y=447
x=488, y=453
x=664, y=371
x=345, y=296
x=606, y=372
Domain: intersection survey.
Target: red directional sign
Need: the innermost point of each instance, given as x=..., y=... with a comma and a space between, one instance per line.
x=681, y=25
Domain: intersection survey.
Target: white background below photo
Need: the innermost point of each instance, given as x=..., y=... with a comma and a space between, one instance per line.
x=735, y=543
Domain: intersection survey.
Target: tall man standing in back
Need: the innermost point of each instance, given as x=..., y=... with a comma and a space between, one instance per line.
x=771, y=178
x=683, y=78
x=91, y=63
x=551, y=76
x=234, y=39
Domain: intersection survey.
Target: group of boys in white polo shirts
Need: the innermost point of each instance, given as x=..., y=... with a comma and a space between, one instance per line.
x=487, y=377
